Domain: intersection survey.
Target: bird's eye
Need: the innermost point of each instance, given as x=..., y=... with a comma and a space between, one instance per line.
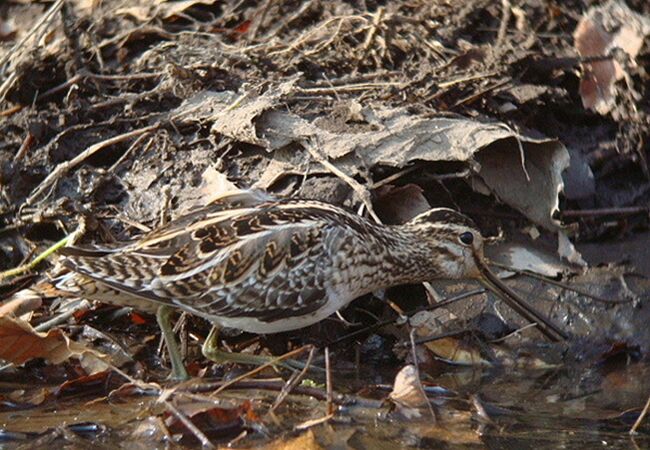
x=467, y=238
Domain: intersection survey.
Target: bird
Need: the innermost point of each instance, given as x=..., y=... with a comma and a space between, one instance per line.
x=265, y=265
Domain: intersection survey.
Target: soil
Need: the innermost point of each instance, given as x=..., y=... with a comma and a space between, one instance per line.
x=97, y=128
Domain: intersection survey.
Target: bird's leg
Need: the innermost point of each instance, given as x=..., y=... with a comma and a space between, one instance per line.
x=212, y=352
x=163, y=315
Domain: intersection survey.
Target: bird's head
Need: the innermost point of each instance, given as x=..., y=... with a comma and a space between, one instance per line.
x=453, y=241
x=454, y=246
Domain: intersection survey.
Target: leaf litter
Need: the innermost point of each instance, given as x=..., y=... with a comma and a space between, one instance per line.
x=389, y=109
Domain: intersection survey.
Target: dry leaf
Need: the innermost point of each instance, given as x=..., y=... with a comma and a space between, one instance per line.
x=214, y=184
x=19, y=343
x=601, y=29
x=456, y=351
x=167, y=10
x=400, y=204
x=173, y=9
x=407, y=393
x=527, y=258
x=305, y=441
x=495, y=152
x=568, y=251
x=19, y=305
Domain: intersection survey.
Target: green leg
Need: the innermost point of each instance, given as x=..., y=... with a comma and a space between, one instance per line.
x=163, y=315
x=211, y=351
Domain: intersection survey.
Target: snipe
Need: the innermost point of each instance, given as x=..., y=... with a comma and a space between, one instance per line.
x=264, y=265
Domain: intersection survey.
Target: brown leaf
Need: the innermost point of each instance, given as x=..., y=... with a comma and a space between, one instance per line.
x=19, y=343
x=20, y=305
x=306, y=441
x=400, y=204
x=600, y=30
x=457, y=351
x=211, y=420
x=407, y=393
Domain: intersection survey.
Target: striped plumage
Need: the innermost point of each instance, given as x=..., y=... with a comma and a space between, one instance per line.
x=266, y=265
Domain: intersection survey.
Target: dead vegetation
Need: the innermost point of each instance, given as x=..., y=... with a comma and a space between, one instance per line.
x=117, y=116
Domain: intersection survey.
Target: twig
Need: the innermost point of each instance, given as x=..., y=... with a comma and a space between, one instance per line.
x=276, y=385
x=83, y=305
x=622, y=211
x=259, y=20
x=306, y=36
x=37, y=30
x=313, y=422
x=205, y=441
x=514, y=333
x=328, y=383
x=639, y=419
x=408, y=313
x=34, y=29
x=62, y=168
x=414, y=355
x=503, y=27
x=349, y=87
x=36, y=261
x=257, y=370
x=128, y=152
x=24, y=147
x=360, y=190
x=304, y=7
x=372, y=30
x=522, y=154
x=478, y=76
x=293, y=382
x=530, y=274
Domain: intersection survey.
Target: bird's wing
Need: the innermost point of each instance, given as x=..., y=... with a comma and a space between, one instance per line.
x=265, y=261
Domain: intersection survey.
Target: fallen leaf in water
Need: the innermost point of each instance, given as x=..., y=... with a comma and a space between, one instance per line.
x=457, y=351
x=213, y=421
x=305, y=441
x=407, y=394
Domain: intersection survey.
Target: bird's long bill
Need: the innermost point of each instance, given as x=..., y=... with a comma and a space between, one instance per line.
x=527, y=311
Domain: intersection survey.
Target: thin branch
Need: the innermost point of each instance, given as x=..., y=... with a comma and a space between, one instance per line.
x=63, y=168
x=639, y=419
x=270, y=363
x=293, y=382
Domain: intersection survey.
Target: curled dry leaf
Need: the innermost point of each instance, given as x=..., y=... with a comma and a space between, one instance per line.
x=526, y=258
x=407, y=393
x=522, y=171
x=19, y=343
x=20, y=305
x=602, y=29
x=457, y=351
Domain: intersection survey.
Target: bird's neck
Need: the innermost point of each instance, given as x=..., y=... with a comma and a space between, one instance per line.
x=405, y=257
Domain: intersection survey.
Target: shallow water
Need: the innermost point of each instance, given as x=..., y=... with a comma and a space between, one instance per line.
x=533, y=409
